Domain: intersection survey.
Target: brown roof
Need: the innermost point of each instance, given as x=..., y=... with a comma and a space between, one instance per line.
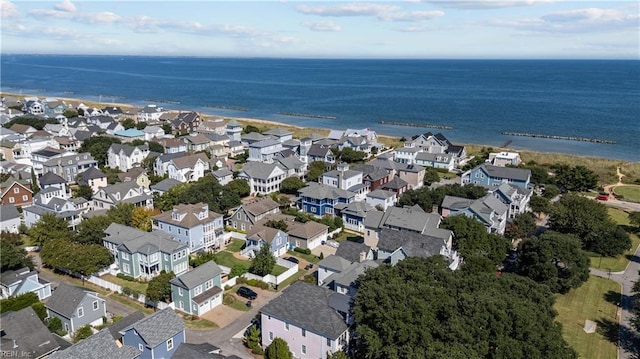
x=190, y=161
x=64, y=140
x=190, y=219
x=263, y=232
x=197, y=139
x=260, y=206
x=306, y=230
x=131, y=173
x=41, y=133
x=200, y=298
x=171, y=142
x=21, y=128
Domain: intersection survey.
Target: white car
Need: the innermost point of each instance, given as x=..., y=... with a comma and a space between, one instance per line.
x=332, y=243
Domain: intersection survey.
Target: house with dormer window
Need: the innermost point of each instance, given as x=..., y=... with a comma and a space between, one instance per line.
x=127, y=192
x=126, y=157
x=244, y=217
x=265, y=150
x=488, y=210
x=493, y=176
x=194, y=225
x=70, y=166
x=263, y=178
x=199, y=290
x=188, y=168
x=57, y=202
x=320, y=199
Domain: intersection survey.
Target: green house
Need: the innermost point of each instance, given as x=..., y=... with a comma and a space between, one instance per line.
x=199, y=290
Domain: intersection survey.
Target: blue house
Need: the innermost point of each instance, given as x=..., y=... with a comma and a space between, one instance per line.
x=192, y=224
x=494, y=176
x=319, y=199
x=260, y=235
x=21, y=281
x=156, y=336
x=199, y=290
x=353, y=214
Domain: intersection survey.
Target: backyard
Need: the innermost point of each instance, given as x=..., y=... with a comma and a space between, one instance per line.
x=140, y=287
x=595, y=300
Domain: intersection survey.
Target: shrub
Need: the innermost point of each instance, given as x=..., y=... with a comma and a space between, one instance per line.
x=258, y=283
x=241, y=280
x=238, y=270
x=302, y=250
x=126, y=277
x=54, y=324
x=228, y=298
x=83, y=333
x=257, y=350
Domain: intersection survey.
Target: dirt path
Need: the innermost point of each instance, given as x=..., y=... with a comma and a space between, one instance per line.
x=610, y=188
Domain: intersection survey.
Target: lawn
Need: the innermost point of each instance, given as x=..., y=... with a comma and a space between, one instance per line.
x=447, y=175
x=619, y=216
x=235, y=245
x=628, y=192
x=592, y=301
x=199, y=323
x=307, y=257
x=277, y=270
x=138, y=286
x=227, y=259
x=291, y=279
x=239, y=304
x=619, y=263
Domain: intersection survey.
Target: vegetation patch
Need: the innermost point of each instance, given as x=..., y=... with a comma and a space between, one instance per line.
x=628, y=193
x=307, y=257
x=235, y=245
x=595, y=300
x=140, y=287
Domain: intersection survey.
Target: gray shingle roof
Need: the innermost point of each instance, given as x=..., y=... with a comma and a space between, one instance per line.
x=320, y=191
x=348, y=277
x=158, y=327
x=98, y=346
x=8, y=212
x=197, y=351
x=65, y=299
x=261, y=205
x=278, y=131
x=506, y=172
x=293, y=307
x=165, y=185
x=260, y=170
x=92, y=173
x=380, y=193
x=351, y=250
x=125, y=322
x=334, y=262
x=197, y=276
x=30, y=334
x=50, y=178
x=413, y=244
x=410, y=218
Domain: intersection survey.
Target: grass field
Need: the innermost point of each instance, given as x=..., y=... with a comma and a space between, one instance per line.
x=235, y=245
x=277, y=270
x=592, y=301
x=291, y=279
x=199, y=323
x=140, y=287
x=227, y=259
x=628, y=192
x=307, y=257
x=239, y=304
x=619, y=263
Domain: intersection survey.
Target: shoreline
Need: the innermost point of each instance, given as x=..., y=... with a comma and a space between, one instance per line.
x=258, y=121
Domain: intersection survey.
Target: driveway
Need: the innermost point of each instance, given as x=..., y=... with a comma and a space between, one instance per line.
x=324, y=249
x=224, y=315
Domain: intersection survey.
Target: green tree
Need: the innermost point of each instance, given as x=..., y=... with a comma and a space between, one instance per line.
x=238, y=270
x=315, y=170
x=239, y=186
x=550, y=191
x=291, y=185
x=166, y=127
x=578, y=178
x=278, y=349
x=635, y=310
x=14, y=304
x=155, y=147
x=263, y=262
x=34, y=182
x=539, y=204
x=159, y=288
x=13, y=257
x=141, y=125
x=634, y=219
x=121, y=213
x=427, y=198
x=75, y=258
x=70, y=113
x=91, y=230
x=83, y=332
x=523, y=225
x=11, y=238
x=40, y=309
x=421, y=309
x=554, y=259
x=128, y=123
x=250, y=129
x=471, y=239
x=83, y=191
x=54, y=324
x=349, y=155
x=252, y=338
x=279, y=224
x=35, y=122
x=98, y=146
x=431, y=176
x=141, y=218
x=337, y=355
x=49, y=227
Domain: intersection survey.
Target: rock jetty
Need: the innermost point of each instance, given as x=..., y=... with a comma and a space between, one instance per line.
x=295, y=114
x=555, y=137
x=411, y=124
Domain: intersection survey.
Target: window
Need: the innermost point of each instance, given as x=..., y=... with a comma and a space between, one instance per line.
x=66, y=327
x=181, y=305
x=12, y=200
x=304, y=333
x=286, y=326
x=140, y=347
x=80, y=312
x=304, y=349
x=169, y=344
x=16, y=190
x=270, y=335
x=25, y=197
x=166, y=257
x=95, y=305
x=125, y=255
x=125, y=268
x=179, y=291
x=328, y=342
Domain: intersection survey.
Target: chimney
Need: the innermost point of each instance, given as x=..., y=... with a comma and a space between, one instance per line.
x=363, y=256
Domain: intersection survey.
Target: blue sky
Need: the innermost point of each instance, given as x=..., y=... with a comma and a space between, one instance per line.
x=326, y=29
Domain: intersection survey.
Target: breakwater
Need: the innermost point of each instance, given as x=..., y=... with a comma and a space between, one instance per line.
x=555, y=137
x=222, y=107
x=410, y=124
x=163, y=101
x=309, y=115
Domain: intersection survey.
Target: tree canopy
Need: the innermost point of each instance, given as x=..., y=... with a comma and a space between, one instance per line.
x=48, y=227
x=431, y=176
x=421, y=309
x=159, y=288
x=578, y=178
x=91, y=230
x=83, y=191
x=13, y=257
x=239, y=187
x=278, y=349
x=75, y=258
x=589, y=221
x=206, y=189
x=426, y=198
x=472, y=240
x=291, y=185
x=315, y=170
x=98, y=146
x=35, y=122
x=554, y=259
x=263, y=262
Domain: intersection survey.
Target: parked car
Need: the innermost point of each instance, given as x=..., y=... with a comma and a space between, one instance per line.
x=247, y=293
x=602, y=197
x=292, y=259
x=332, y=243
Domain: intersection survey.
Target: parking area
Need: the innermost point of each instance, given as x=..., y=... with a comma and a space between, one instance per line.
x=324, y=249
x=224, y=315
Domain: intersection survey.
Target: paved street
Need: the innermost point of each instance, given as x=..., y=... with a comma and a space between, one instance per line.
x=629, y=338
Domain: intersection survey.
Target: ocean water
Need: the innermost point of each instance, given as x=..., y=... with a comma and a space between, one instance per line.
x=478, y=98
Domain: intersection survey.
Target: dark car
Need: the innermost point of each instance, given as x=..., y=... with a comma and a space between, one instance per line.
x=293, y=260
x=247, y=293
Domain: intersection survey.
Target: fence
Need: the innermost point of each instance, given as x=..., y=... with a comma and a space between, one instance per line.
x=117, y=288
x=275, y=280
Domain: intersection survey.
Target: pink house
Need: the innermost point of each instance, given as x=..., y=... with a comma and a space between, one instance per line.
x=313, y=320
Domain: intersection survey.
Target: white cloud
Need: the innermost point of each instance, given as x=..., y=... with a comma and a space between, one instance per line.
x=488, y=4
x=353, y=9
x=589, y=20
x=66, y=6
x=411, y=16
x=8, y=9
x=324, y=25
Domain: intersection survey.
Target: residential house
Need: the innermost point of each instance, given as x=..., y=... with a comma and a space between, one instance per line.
x=261, y=235
x=9, y=218
x=55, y=201
x=382, y=199
x=307, y=235
x=192, y=224
x=234, y=148
x=93, y=178
x=368, y=134
x=436, y=160
x=245, y=216
x=112, y=111
x=173, y=145
x=430, y=143
x=223, y=176
x=406, y=154
x=70, y=166
x=34, y=107
x=199, y=290
x=57, y=129
x=215, y=126
x=126, y=157
x=319, y=199
x=342, y=178
x=38, y=158
x=127, y=192
x=329, y=265
x=100, y=345
x=265, y=150
x=319, y=152
x=67, y=143
x=143, y=254
x=514, y=197
x=129, y=320
x=353, y=214
x=156, y=336
x=163, y=186
x=150, y=113
x=16, y=192
x=129, y=135
x=355, y=143
x=50, y=179
x=373, y=177
x=200, y=351
x=494, y=176
x=234, y=130
x=394, y=247
x=412, y=174
x=138, y=175
x=153, y=132
x=186, y=122
x=489, y=210
x=188, y=168
x=102, y=121
x=346, y=281
x=397, y=185
x=161, y=163
x=24, y=280
x=24, y=333
x=25, y=130
x=503, y=159
x=196, y=143
x=252, y=137
x=314, y=321
x=355, y=251
x=263, y=178
x=401, y=219
x=280, y=134
x=75, y=307
x=293, y=166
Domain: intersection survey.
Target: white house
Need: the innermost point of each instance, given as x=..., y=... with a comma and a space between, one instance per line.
x=188, y=168
x=264, y=151
x=263, y=178
x=125, y=157
x=9, y=218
